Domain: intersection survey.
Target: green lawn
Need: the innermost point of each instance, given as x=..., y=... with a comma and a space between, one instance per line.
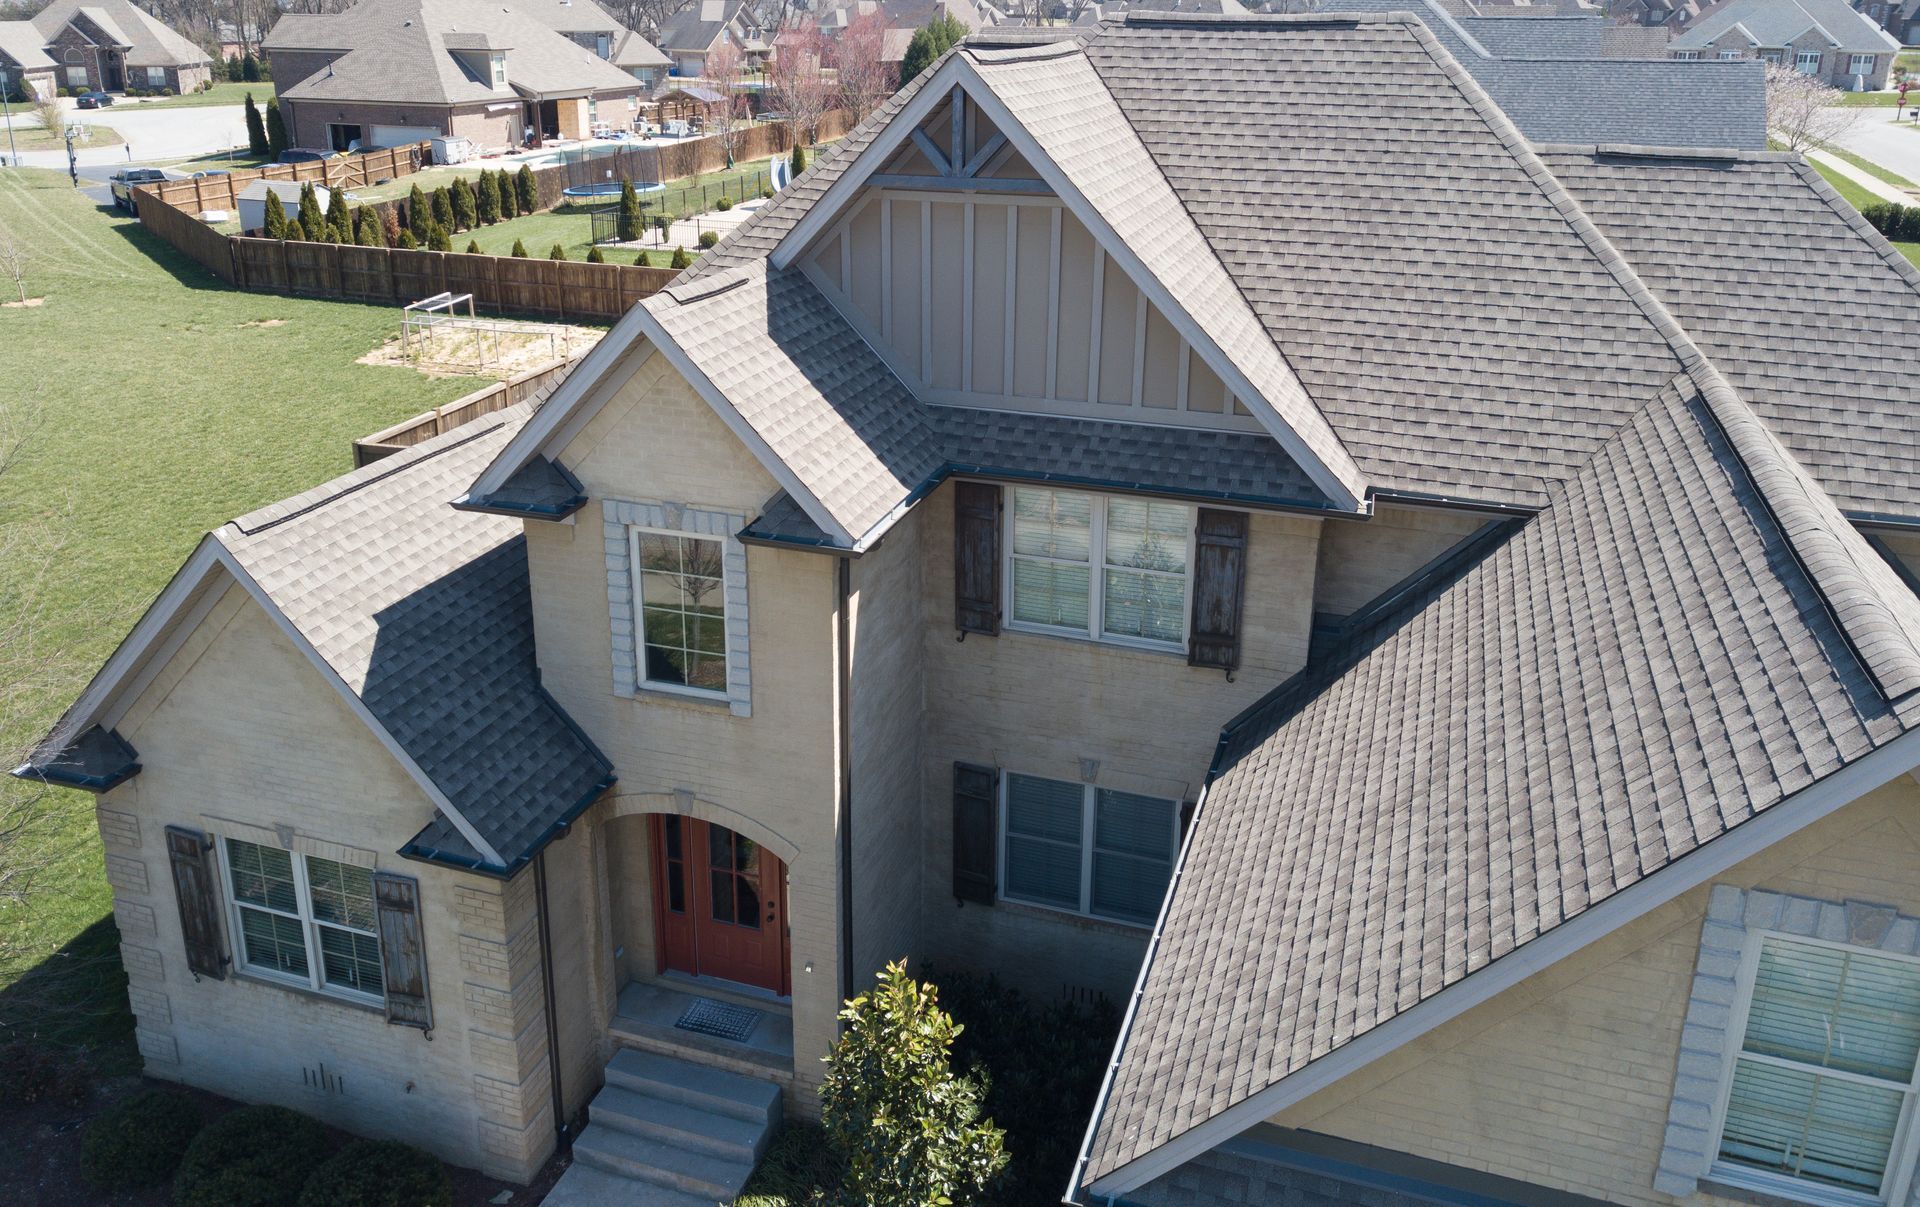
x=1860, y=199
x=37, y=138
x=571, y=228
x=157, y=405
x=233, y=161
x=220, y=94
x=1869, y=100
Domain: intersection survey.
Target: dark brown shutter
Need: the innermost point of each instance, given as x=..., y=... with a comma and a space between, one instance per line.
x=403, y=954
x=1219, y=581
x=195, y=888
x=976, y=792
x=976, y=557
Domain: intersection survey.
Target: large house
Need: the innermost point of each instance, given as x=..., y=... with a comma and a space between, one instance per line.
x=1437, y=645
x=27, y=71
x=1823, y=38
x=591, y=26
x=388, y=72
x=702, y=27
x=109, y=45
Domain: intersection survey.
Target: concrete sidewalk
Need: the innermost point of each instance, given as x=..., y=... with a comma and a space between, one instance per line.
x=1866, y=180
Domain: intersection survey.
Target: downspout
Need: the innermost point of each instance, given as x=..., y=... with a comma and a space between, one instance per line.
x=843, y=678
x=561, y=1138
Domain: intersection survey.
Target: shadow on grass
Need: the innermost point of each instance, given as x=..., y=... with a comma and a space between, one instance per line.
x=175, y=263
x=76, y=998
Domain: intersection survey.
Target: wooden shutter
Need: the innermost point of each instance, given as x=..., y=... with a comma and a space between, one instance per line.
x=1219, y=581
x=195, y=887
x=976, y=557
x=976, y=796
x=403, y=954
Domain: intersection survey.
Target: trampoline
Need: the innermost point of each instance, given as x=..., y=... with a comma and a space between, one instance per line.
x=606, y=188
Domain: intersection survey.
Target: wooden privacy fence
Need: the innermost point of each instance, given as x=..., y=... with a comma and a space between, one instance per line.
x=534, y=383
x=345, y=171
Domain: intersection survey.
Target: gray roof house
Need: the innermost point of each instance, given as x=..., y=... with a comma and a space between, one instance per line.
x=1439, y=647
x=116, y=45
x=24, y=59
x=1824, y=38
x=695, y=31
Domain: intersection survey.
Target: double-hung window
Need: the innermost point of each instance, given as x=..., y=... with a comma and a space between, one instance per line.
x=1819, y=1102
x=1113, y=568
x=681, y=592
x=497, y=65
x=1087, y=850
x=304, y=920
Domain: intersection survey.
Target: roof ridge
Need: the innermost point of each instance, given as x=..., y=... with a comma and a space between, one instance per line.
x=1903, y=267
x=1638, y=151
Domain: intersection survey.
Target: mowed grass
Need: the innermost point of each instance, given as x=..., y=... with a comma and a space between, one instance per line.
x=219, y=94
x=39, y=138
x=1860, y=199
x=571, y=228
x=157, y=406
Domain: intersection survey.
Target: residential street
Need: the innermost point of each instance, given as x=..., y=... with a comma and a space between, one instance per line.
x=1875, y=137
x=160, y=134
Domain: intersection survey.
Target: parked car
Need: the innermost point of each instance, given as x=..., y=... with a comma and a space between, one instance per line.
x=93, y=100
x=126, y=180
x=299, y=156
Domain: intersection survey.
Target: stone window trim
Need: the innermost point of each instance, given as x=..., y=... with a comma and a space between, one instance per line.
x=1707, y=1043
x=618, y=517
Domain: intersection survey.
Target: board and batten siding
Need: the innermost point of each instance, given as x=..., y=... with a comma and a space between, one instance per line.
x=1009, y=302
x=1564, y=1080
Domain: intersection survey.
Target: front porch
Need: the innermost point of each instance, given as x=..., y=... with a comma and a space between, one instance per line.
x=653, y=1016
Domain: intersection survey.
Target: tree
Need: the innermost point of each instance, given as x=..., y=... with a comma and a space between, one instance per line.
x=276, y=129
x=929, y=42
x=462, y=203
x=680, y=258
x=473, y=247
x=723, y=114
x=442, y=211
x=366, y=228
x=558, y=253
x=799, y=86
x=339, y=217
x=866, y=78
x=797, y=162
x=631, y=225
x=419, y=213
x=594, y=256
x=1802, y=112
x=313, y=224
x=437, y=237
x=390, y=227
x=276, y=219
x=256, y=130
x=13, y=262
x=487, y=198
x=407, y=242
x=640, y=261
x=295, y=234
x=526, y=190
x=519, y=251
x=250, y=69
x=234, y=71
x=907, y=1125
x=509, y=195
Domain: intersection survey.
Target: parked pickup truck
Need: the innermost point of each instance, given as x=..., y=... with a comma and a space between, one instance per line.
x=126, y=180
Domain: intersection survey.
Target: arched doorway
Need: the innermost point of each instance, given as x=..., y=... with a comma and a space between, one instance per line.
x=719, y=904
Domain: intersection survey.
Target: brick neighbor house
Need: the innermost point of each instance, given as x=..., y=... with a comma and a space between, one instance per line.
x=1823, y=38
x=26, y=69
x=388, y=72
x=1451, y=668
x=113, y=45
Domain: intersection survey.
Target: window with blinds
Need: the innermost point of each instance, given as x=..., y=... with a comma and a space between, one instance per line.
x=1087, y=850
x=304, y=919
x=1112, y=568
x=1820, y=1101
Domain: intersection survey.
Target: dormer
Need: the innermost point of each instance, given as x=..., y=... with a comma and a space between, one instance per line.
x=482, y=56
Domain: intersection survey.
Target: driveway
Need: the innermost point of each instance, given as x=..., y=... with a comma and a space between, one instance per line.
x=1876, y=137
x=161, y=134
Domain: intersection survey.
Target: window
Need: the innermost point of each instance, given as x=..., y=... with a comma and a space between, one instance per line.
x=303, y=919
x=1111, y=568
x=1727, y=56
x=1819, y=1102
x=1807, y=62
x=1770, y=56
x=1087, y=850
x=156, y=77
x=1688, y=55
x=1860, y=64
x=497, y=60
x=603, y=45
x=683, y=618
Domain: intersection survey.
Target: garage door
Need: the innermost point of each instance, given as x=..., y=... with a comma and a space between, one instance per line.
x=400, y=136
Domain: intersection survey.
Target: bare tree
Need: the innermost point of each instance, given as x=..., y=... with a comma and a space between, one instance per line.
x=798, y=84
x=48, y=110
x=1803, y=112
x=723, y=73
x=866, y=78
x=13, y=261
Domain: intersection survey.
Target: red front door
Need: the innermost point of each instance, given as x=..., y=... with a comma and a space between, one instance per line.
x=720, y=901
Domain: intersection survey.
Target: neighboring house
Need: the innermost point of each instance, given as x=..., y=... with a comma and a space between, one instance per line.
x=591, y=26
x=1575, y=79
x=881, y=588
x=1822, y=38
x=388, y=72
x=26, y=70
x=696, y=31
x=1669, y=15
x=113, y=45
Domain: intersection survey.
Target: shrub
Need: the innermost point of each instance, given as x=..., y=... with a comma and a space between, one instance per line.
x=295, y=232
x=464, y=212
x=519, y=250
x=276, y=125
x=594, y=256
x=313, y=224
x=725, y=203
x=407, y=242
x=33, y=1072
x=709, y=238
x=250, y=69
x=526, y=190
x=766, y=191
x=257, y=1156
x=441, y=208
x=630, y=225
x=558, y=253
x=339, y=217
x=486, y=196
x=680, y=258
x=366, y=228
x=139, y=1140
x=437, y=237
x=390, y=226
x=797, y=162
x=1900, y=223
x=473, y=247
x=641, y=261
x=256, y=129
x=663, y=223
x=275, y=222
x=379, y=1173
x=908, y=1126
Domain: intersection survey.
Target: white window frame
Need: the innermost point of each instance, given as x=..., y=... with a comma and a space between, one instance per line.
x=1728, y=56
x=634, y=533
x=1901, y=1155
x=1097, y=576
x=497, y=67
x=1689, y=56
x=156, y=77
x=1854, y=68
x=1089, y=795
x=1807, y=62
x=315, y=981
x=1770, y=56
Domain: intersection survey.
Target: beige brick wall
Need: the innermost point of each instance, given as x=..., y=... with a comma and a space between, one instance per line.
x=1039, y=704
x=1360, y=559
x=770, y=775
x=488, y=130
x=1564, y=1079
x=240, y=736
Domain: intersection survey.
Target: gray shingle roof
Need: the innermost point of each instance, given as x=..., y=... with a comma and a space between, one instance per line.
x=1776, y=23
x=153, y=43
x=1766, y=267
x=1638, y=671
x=23, y=43
x=425, y=613
x=695, y=27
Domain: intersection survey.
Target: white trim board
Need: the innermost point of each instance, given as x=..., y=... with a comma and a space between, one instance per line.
x=1809, y=805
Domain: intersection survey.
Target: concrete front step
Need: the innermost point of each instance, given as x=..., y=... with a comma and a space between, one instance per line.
x=715, y=1091
x=644, y=1159
x=585, y=1186
x=676, y=1123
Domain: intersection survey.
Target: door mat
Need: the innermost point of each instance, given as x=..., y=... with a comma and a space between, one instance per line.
x=709, y=1017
